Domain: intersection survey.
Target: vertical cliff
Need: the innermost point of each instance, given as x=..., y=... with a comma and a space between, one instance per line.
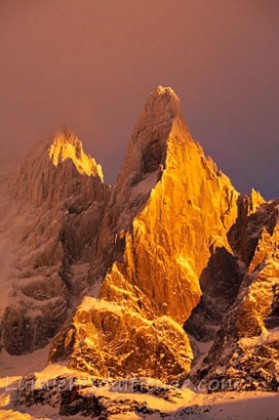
x=170, y=210
x=245, y=348
x=51, y=207
x=169, y=272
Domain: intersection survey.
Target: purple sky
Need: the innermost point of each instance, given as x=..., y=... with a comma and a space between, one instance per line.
x=90, y=64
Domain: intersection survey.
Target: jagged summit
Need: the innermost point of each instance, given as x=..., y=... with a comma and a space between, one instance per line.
x=170, y=209
x=53, y=170
x=66, y=145
x=161, y=108
x=147, y=149
x=162, y=105
x=127, y=269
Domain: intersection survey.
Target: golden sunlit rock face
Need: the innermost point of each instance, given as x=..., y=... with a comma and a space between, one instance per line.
x=66, y=145
x=183, y=208
x=115, y=341
x=139, y=278
x=55, y=171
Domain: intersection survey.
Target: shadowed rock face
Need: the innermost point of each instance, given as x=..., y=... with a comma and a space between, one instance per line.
x=139, y=277
x=245, y=345
x=51, y=232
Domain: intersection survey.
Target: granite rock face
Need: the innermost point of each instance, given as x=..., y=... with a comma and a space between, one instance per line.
x=49, y=230
x=164, y=224
x=166, y=274
x=244, y=343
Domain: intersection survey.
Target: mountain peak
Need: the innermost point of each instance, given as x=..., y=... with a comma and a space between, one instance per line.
x=164, y=91
x=66, y=145
x=162, y=106
x=170, y=250
x=147, y=148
